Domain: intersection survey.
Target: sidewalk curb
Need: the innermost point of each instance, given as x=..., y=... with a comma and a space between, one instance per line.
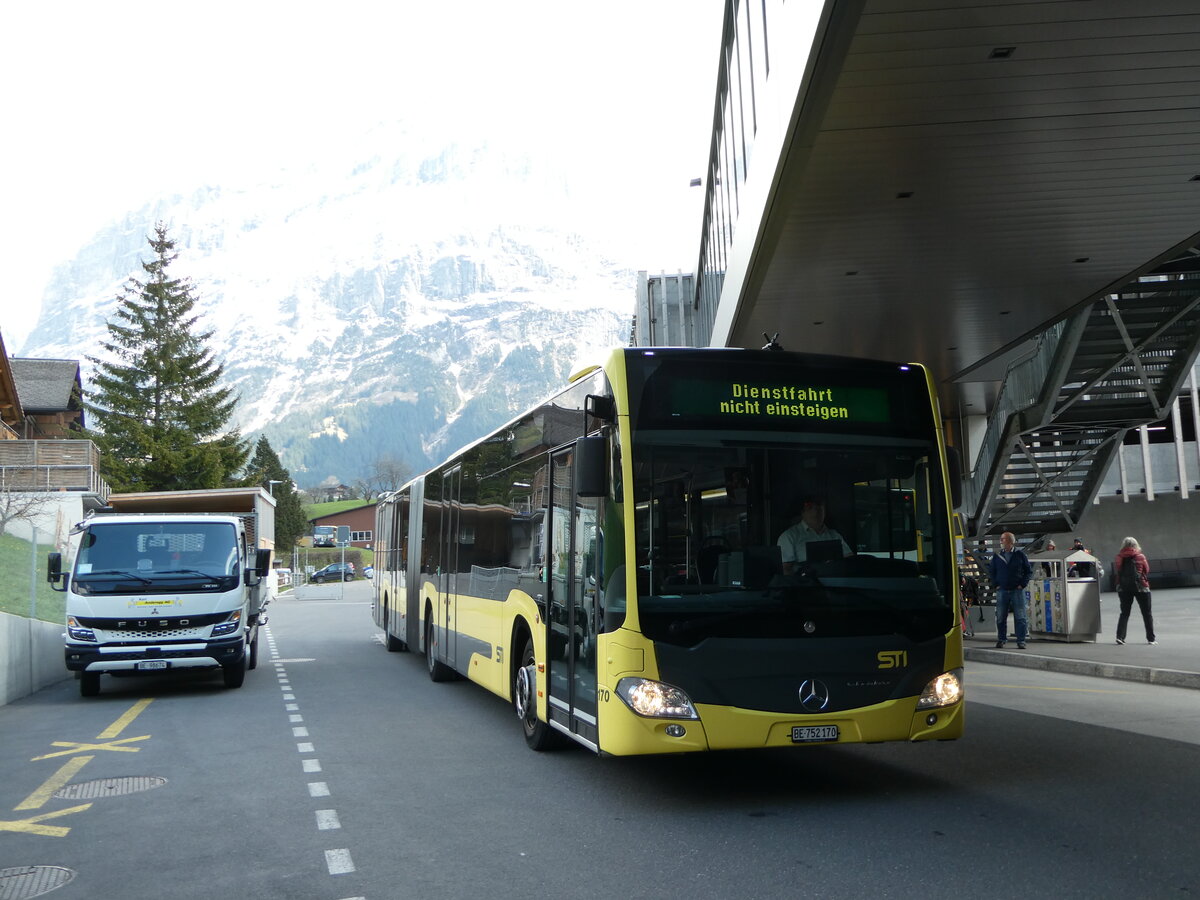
x=1026, y=660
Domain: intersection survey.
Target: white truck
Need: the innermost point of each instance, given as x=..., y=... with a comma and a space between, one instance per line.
x=155, y=592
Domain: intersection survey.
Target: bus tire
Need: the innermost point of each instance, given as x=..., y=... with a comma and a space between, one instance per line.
x=538, y=735
x=438, y=670
x=89, y=684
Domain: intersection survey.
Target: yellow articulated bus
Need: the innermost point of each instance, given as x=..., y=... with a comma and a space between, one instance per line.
x=692, y=550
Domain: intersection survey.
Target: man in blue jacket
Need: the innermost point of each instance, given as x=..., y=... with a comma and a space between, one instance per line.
x=1010, y=572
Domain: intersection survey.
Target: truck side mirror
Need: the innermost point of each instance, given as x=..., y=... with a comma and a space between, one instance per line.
x=591, y=467
x=262, y=563
x=54, y=572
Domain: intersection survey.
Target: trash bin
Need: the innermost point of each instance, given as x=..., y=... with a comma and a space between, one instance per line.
x=1064, y=596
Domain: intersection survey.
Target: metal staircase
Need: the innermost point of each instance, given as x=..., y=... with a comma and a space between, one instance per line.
x=1062, y=413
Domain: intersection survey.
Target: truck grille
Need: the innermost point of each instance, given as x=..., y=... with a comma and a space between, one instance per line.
x=154, y=629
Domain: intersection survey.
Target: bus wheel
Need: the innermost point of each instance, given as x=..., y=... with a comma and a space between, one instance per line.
x=89, y=684
x=538, y=735
x=438, y=671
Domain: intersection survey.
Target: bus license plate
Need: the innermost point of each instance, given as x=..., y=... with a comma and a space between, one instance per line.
x=810, y=734
x=152, y=664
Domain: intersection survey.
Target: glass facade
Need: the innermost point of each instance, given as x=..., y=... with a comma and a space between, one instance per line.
x=741, y=79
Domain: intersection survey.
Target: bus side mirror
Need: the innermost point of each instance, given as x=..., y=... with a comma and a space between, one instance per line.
x=954, y=474
x=591, y=467
x=54, y=572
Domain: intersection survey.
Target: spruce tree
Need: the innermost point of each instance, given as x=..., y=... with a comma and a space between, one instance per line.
x=161, y=413
x=290, y=521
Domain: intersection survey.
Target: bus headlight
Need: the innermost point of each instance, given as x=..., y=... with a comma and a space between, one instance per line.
x=945, y=690
x=229, y=626
x=655, y=699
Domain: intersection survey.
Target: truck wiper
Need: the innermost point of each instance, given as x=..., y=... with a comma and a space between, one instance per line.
x=189, y=572
x=119, y=573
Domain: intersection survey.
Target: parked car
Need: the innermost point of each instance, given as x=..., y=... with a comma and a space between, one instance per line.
x=368, y=571
x=334, y=572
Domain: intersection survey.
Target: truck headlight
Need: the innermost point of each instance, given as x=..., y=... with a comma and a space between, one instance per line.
x=945, y=690
x=229, y=626
x=78, y=632
x=655, y=699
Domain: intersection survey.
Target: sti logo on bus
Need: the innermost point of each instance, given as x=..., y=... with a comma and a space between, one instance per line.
x=892, y=659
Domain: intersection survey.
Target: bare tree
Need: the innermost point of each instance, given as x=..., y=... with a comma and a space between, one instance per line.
x=18, y=505
x=388, y=473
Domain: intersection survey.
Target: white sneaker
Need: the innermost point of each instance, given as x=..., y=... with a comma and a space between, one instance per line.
x=1154, y=643
x=1119, y=641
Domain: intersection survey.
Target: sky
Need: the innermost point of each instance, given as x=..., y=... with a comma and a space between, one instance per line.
x=107, y=106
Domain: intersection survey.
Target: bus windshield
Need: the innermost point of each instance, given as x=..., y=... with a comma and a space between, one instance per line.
x=787, y=537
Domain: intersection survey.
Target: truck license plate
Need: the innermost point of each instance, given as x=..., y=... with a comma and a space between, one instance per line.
x=159, y=664
x=810, y=734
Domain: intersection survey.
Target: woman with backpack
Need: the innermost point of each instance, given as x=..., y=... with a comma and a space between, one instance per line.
x=1133, y=582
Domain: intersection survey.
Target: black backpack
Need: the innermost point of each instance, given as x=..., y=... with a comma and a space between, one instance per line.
x=1127, y=578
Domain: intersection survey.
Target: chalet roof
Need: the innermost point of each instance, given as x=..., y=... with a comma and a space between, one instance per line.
x=46, y=385
x=10, y=404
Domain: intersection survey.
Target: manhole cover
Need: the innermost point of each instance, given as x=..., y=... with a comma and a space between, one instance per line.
x=108, y=787
x=23, y=882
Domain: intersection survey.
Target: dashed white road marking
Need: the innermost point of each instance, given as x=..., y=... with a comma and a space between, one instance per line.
x=299, y=732
x=318, y=789
x=327, y=820
x=311, y=765
x=338, y=862
x=291, y=706
x=304, y=747
x=296, y=718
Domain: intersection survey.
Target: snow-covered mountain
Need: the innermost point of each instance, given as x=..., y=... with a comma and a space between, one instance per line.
x=396, y=306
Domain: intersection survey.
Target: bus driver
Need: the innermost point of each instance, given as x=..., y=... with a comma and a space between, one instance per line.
x=811, y=529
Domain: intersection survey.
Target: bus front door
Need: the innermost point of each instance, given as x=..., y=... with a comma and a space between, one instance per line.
x=572, y=564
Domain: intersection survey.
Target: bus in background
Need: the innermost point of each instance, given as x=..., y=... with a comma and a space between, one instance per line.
x=610, y=562
x=324, y=536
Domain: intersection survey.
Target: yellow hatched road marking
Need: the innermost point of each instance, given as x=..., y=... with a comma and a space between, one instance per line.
x=32, y=826
x=39, y=798
x=106, y=735
x=69, y=769
x=74, y=747
x=128, y=716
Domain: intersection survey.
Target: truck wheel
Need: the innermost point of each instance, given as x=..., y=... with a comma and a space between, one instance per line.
x=438, y=670
x=235, y=673
x=254, y=651
x=89, y=684
x=538, y=735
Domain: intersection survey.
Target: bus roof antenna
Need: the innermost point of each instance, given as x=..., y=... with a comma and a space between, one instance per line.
x=772, y=343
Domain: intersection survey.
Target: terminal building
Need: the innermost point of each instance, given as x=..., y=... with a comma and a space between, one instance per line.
x=1006, y=194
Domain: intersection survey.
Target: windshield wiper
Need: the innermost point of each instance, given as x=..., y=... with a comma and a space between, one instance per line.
x=118, y=573
x=190, y=572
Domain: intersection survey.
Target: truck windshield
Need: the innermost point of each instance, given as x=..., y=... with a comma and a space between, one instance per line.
x=157, y=557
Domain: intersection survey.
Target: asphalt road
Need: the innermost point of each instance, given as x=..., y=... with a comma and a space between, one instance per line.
x=340, y=771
